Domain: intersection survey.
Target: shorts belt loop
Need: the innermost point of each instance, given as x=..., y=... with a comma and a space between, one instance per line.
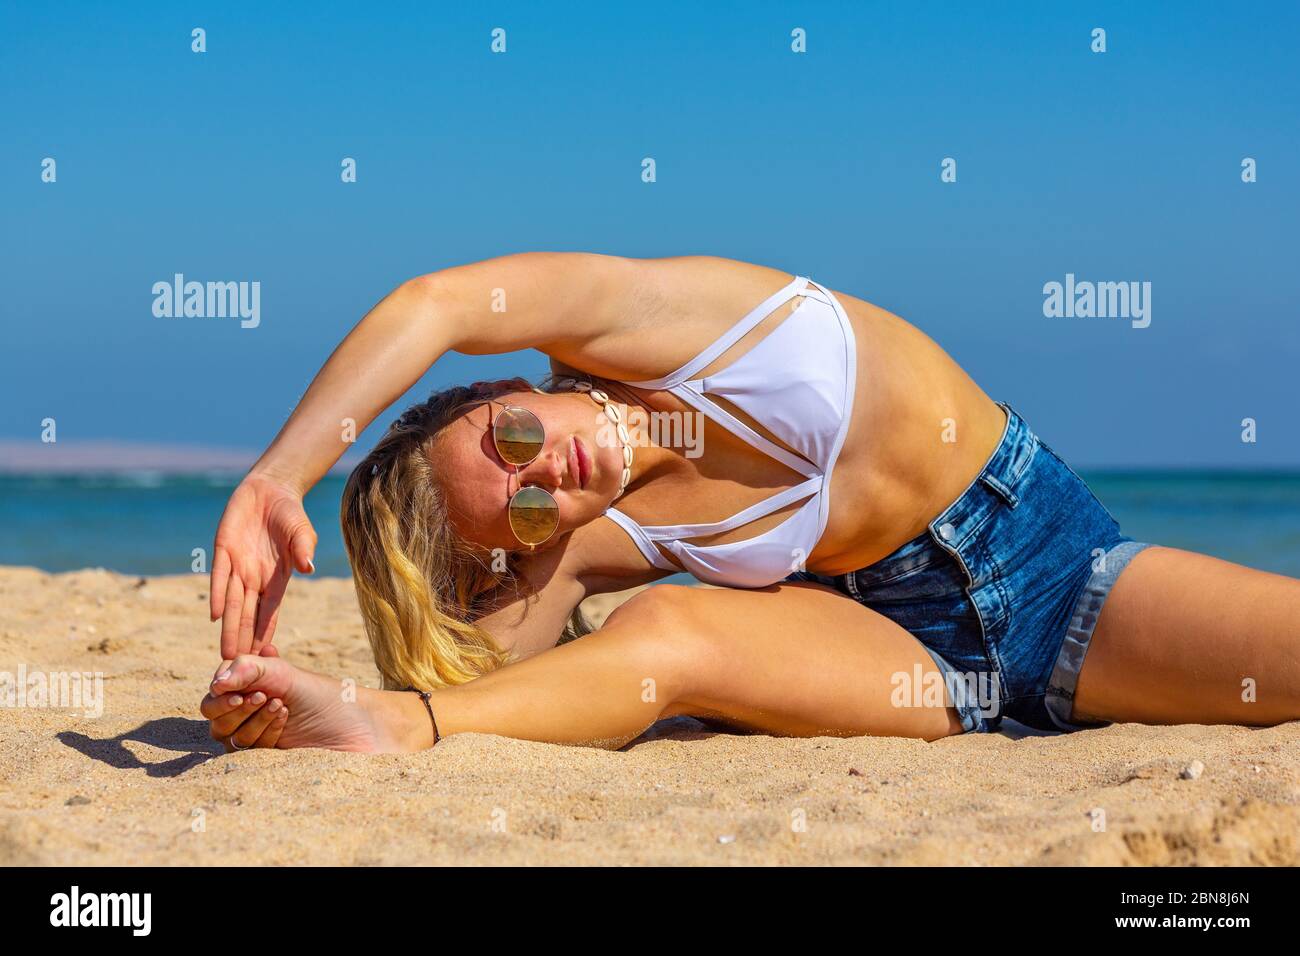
x=1005, y=493
x=851, y=584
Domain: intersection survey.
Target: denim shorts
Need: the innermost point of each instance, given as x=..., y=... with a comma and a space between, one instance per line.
x=1005, y=586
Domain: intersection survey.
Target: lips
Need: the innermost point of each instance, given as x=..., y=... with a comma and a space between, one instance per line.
x=583, y=462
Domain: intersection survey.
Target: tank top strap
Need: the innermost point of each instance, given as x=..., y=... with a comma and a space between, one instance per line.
x=727, y=339
x=642, y=541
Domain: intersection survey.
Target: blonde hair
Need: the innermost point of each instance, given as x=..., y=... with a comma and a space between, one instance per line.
x=420, y=586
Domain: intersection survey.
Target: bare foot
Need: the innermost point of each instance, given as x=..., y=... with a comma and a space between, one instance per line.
x=326, y=713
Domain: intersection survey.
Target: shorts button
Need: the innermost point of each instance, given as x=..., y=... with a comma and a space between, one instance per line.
x=947, y=531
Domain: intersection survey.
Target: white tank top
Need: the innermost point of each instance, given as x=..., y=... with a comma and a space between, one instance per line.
x=797, y=382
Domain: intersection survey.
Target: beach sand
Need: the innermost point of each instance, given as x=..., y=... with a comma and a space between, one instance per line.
x=144, y=784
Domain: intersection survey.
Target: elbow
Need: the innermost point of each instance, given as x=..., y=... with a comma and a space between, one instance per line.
x=425, y=287
x=423, y=296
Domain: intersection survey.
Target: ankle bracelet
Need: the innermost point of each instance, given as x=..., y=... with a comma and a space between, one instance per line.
x=424, y=696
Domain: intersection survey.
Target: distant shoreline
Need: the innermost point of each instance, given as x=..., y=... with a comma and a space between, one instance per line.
x=83, y=458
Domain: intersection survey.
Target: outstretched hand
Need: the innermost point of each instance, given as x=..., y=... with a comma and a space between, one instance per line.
x=264, y=535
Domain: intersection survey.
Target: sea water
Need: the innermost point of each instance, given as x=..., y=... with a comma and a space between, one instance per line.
x=151, y=523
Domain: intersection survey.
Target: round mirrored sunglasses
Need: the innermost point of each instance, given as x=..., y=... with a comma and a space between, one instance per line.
x=519, y=437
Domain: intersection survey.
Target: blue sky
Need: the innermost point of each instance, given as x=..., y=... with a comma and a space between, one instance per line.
x=225, y=166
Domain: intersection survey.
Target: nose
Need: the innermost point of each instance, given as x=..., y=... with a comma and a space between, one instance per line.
x=545, y=471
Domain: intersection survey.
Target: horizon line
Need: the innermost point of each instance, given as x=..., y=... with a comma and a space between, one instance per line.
x=108, y=456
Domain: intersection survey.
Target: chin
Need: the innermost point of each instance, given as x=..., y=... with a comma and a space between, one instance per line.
x=611, y=470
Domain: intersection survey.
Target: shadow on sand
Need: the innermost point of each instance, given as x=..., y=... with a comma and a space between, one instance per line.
x=685, y=728
x=188, y=737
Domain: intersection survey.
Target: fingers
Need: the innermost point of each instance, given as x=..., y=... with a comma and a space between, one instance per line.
x=271, y=736
x=250, y=718
x=303, y=547
x=268, y=610
x=237, y=621
x=226, y=724
x=230, y=618
x=217, y=586
x=248, y=617
x=264, y=632
x=269, y=650
x=219, y=706
x=251, y=729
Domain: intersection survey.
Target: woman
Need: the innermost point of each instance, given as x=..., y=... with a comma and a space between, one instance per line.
x=897, y=553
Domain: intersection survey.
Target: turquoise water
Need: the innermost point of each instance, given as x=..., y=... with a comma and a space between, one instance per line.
x=151, y=523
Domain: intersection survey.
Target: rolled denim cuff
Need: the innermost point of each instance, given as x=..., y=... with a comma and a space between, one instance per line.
x=1059, y=699
x=968, y=709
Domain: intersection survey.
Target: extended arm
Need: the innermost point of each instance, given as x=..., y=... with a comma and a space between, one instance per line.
x=555, y=302
x=560, y=302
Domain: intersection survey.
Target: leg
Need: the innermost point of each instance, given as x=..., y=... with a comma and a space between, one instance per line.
x=1178, y=636
x=801, y=660
x=793, y=660
x=796, y=660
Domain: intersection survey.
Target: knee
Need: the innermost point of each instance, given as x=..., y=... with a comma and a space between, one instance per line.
x=663, y=628
x=668, y=616
x=660, y=605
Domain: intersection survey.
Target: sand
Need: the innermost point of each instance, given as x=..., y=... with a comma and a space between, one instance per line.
x=144, y=784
